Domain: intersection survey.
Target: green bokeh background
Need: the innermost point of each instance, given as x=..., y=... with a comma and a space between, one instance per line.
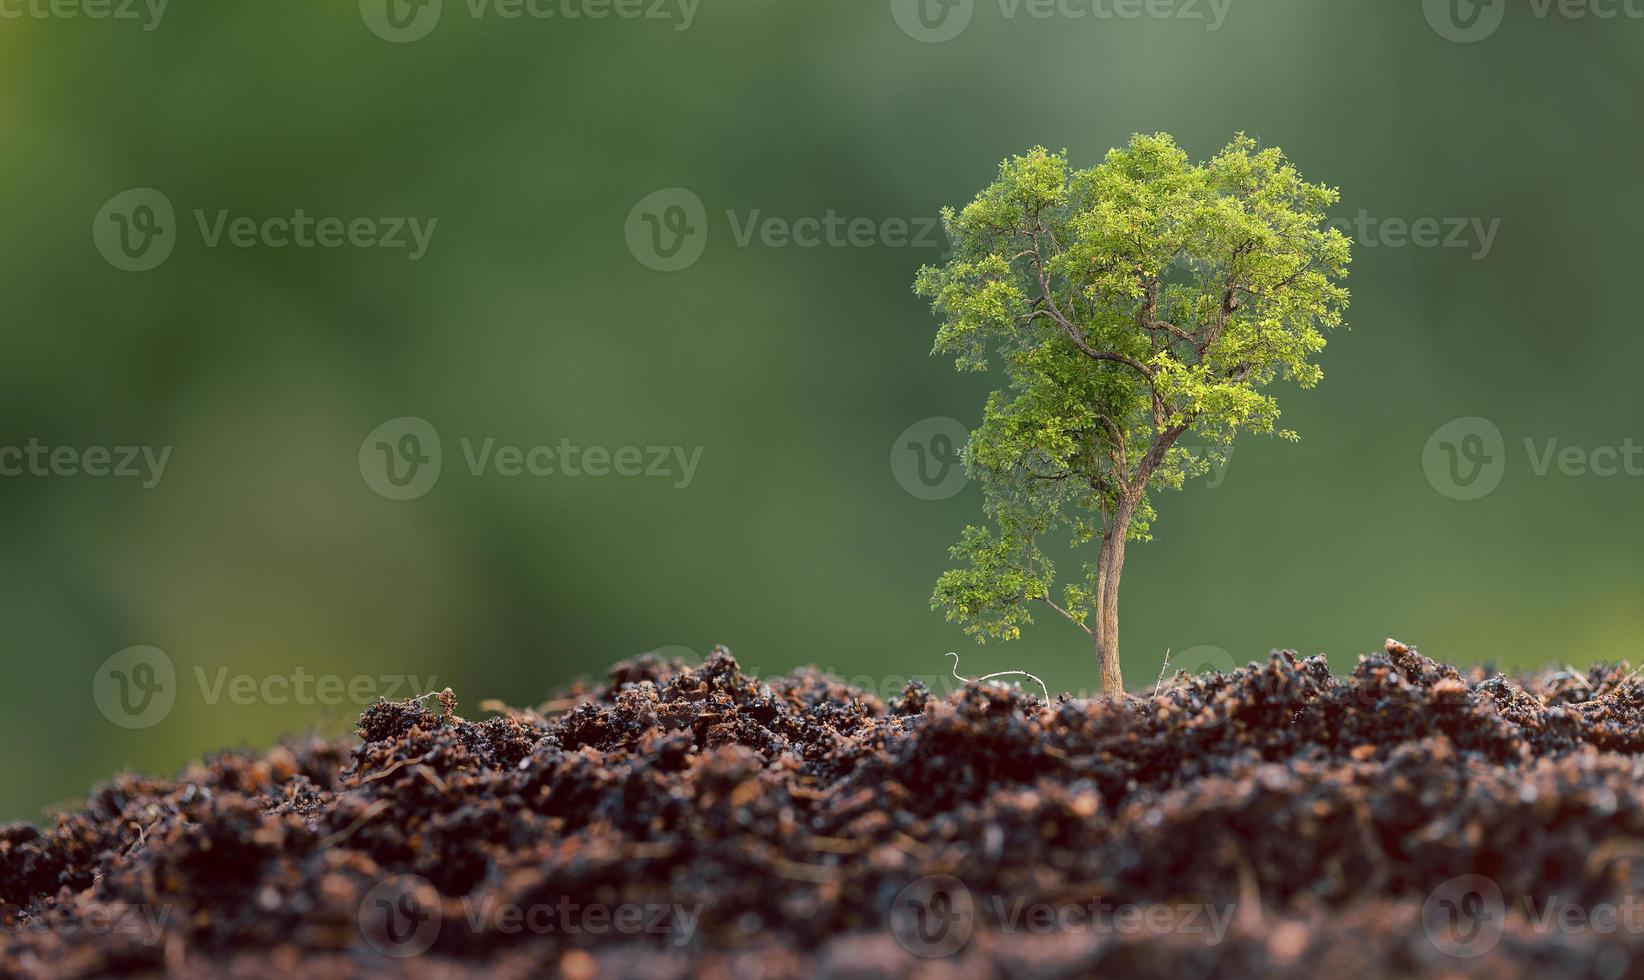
x=263, y=550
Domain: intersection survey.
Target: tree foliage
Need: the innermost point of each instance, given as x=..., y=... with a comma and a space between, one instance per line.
x=1129, y=304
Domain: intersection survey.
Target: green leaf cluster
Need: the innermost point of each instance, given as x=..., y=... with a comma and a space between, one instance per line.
x=1129, y=304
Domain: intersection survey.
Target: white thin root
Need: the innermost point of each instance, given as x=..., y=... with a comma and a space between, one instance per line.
x=447, y=699
x=1002, y=673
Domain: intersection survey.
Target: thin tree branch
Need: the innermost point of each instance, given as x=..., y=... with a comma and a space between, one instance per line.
x=1047, y=600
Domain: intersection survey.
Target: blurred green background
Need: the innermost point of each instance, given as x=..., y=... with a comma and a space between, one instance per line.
x=265, y=550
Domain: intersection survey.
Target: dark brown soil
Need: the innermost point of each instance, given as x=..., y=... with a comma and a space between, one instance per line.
x=1406, y=819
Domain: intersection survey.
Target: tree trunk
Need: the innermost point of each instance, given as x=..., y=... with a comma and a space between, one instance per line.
x=1110, y=566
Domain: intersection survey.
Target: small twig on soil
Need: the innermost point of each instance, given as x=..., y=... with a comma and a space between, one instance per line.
x=910, y=845
x=1162, y=668
x=447, y=699
x=1249, y=917
x=396, y=767
x=360, y=821
x=835, y=845
x=1002, y=673
x=1611, y=850
x=432, y=777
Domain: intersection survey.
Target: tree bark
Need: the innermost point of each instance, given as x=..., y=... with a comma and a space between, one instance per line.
x=1111, y=562
x=1110, y=567
x=1107, y=651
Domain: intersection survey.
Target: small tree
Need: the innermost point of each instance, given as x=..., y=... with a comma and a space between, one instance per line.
x=1131, y=303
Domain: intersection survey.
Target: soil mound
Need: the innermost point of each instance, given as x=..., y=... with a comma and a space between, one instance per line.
x=1408, y=818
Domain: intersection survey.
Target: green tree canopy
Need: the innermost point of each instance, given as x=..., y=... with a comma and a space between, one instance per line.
x=1129, y=304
